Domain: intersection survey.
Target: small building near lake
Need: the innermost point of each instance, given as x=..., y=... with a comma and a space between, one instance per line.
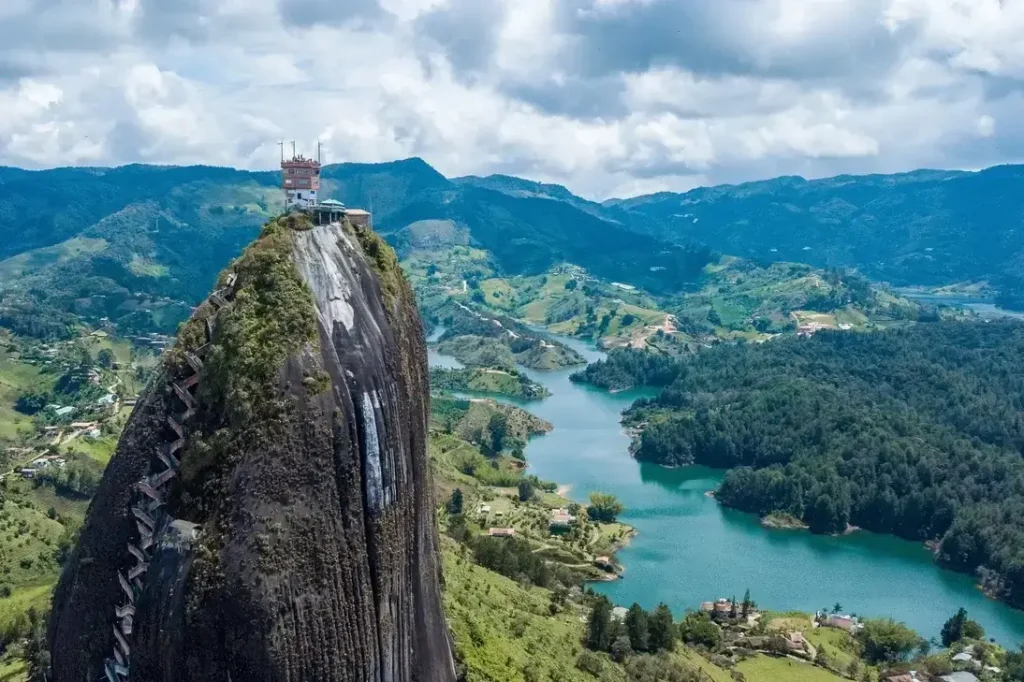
x=795, y=641
x=840, y=621
x=561, y=519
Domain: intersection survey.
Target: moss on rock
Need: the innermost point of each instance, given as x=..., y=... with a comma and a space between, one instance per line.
x=384, y=262
x=272, y=316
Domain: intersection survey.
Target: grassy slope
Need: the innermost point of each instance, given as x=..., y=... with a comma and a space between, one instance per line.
x=738, y=292
x=735, y=298
x=488, y=612
x=15, y=377
x=31, y=261
x=763, y=668
x=13, y=668
x=545, y=300
x=28, y=538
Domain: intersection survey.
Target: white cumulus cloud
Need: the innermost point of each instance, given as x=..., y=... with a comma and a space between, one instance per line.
x=610, y=97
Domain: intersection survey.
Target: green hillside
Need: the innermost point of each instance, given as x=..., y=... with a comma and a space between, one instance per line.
x=731, y=298
x=141, y=244
x=924, y=227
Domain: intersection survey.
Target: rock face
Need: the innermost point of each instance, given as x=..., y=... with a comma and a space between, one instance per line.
x=268, y=513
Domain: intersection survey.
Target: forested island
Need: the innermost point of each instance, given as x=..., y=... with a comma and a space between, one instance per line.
x=507, y=382
x=916, y=432
x=479, y=338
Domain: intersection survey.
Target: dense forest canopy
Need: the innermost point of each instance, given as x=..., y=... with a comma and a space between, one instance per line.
x=917, y=432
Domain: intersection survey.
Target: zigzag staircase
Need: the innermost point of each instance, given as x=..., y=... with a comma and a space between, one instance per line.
x=151, y=517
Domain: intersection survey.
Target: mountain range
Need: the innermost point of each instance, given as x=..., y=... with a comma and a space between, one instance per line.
x=142, y=244
x=920, y=228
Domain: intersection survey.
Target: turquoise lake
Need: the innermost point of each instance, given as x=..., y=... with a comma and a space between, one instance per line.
x=690, y=549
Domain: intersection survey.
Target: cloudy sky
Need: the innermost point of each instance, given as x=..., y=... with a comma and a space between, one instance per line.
x=609, y=97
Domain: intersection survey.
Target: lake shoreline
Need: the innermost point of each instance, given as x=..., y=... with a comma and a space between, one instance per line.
x=687, y=547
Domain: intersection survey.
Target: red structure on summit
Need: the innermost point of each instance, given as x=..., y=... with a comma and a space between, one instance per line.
x=300, y=179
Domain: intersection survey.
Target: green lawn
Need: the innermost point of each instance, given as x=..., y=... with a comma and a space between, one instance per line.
x=713, y=671
x=729, y=311
x=15, y=377
x=836, y=643
x=15, y=607
x=763, y=668
x=13, y=668
x=27, y=538
x=498, y=293
x=100, y=449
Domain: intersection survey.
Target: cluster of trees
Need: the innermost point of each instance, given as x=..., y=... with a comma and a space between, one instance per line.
x=529, y=486
x=604, y=507
x=698, y=629
x=1013, y=668
x=34, y=319
x=917, y=432
x=884, y=641
x=455, y=502
x=79, y=478
x=960, y=627
x=71, y=387
x=514, y=558
x=639, y=632
x=28, y=628
x=628, y=367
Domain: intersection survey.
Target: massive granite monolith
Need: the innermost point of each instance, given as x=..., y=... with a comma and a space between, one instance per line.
x=268, y=514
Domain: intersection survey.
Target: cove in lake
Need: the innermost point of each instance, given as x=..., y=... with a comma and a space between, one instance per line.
x=691, y=549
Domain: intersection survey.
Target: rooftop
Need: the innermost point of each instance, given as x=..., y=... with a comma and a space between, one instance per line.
x=501, y=532
x=959, y=677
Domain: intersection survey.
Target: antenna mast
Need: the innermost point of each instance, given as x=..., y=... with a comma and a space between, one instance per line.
x=281, y=145
x=318, y=145
x=293, y=149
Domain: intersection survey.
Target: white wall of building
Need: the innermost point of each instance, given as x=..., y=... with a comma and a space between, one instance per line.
x=300, y=197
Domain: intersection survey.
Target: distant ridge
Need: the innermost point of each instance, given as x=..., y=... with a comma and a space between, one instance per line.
x=167, y=230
